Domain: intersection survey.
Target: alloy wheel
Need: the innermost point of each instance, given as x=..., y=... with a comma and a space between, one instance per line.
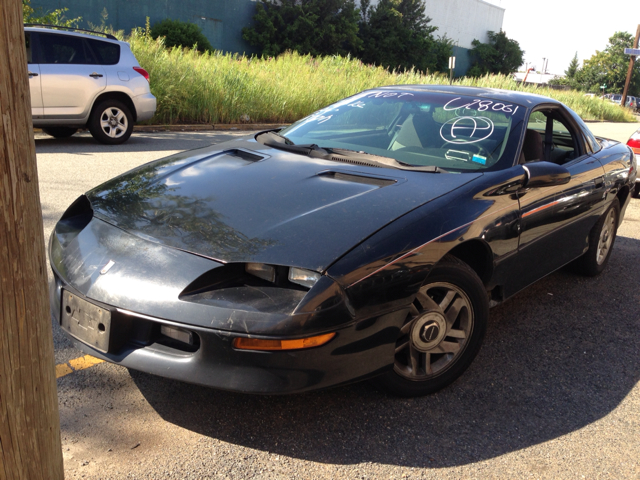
x=437, y=330
x=113, y=122
x=606, y=237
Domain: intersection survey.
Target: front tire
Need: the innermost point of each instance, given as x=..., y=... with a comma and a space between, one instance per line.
x=111, y=122
x=60, y=132
x=442, y=333
x=601, y=240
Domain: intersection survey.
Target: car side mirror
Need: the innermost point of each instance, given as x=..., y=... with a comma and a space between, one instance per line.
x=545, y=174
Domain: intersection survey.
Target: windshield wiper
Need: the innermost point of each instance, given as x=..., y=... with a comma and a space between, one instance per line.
x=274, y=137
x=276, y=140
x=384, y=161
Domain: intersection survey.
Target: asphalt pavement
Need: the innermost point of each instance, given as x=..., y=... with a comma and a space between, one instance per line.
x=554, y=392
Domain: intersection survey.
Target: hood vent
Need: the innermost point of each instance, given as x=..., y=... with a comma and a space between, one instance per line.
x=349, y=177
x=244, y=154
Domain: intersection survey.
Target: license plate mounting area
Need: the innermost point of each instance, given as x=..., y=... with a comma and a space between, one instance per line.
x=86, y=321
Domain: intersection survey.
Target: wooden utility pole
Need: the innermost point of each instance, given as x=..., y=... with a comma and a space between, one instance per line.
x=29, y=424
x=632, y=61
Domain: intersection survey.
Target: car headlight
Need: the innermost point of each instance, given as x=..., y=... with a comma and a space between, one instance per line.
x=279, y=275
x=261, y=270
x=306, y=278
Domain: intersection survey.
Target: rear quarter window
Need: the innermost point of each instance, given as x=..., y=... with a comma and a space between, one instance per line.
x=107, y=53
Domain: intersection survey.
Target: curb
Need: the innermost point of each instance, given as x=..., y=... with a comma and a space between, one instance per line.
x=209, y=127
x=201, y=128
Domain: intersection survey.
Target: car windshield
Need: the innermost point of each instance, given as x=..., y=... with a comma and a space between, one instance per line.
x=418, y=128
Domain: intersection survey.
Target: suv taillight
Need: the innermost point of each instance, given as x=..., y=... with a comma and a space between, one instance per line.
x=634, y=143
x=142, y=72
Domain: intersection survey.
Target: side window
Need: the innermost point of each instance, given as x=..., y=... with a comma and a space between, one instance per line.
x=65, y=49
x=27, y=42
x=107, y=53
x=592, y=143
x=563, y=146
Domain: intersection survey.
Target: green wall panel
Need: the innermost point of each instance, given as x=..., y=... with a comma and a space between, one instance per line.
x=221, y=20
x=463, y=61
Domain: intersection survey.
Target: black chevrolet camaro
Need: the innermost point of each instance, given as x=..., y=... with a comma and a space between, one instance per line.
x=367, y=240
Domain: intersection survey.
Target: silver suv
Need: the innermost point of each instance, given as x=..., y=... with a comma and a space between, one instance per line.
x=80, y=80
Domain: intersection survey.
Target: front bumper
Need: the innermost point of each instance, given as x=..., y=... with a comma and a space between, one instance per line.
x=358, y=351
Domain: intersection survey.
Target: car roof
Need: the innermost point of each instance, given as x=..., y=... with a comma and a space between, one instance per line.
x=521, y=98
x=84, y=34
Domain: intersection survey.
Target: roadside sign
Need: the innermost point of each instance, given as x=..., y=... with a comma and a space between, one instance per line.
x=452, y=62
x=632, y=51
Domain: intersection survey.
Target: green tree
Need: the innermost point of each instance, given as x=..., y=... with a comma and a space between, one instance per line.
x=316, y=27
x=442, y=49
x=609, y=67
x=55, y=17
x=181, y=34
x=501, y=55
x=573, y=68
x=397, y=35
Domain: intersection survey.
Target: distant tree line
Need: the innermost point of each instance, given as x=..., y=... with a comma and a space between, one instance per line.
x=607, y=67
x=396, y=34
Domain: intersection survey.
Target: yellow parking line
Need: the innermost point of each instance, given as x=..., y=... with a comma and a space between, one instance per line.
x=62, y=370
x=76, y=364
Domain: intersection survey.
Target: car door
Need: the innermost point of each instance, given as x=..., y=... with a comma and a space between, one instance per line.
x=33, y=70
x=555, y=221
x=70, y=76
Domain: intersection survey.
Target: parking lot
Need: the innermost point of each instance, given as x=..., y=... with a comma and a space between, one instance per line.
x=554, y=392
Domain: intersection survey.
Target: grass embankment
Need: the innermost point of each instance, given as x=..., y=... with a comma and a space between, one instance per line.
x=226, y=88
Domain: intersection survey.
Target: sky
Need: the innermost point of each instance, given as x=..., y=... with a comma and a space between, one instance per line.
x=557, y=29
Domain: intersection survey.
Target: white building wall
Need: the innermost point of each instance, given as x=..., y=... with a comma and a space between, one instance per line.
x=464, y=20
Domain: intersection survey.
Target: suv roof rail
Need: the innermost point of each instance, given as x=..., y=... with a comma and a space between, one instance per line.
x=72, y=29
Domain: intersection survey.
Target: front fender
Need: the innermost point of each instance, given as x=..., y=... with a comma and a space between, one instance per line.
x=385, y=271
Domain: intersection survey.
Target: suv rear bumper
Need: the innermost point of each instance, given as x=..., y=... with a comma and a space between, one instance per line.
x=145, y=106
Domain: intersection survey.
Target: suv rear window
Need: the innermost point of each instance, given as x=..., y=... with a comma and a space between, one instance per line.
x=107, y=53
x=67, y=49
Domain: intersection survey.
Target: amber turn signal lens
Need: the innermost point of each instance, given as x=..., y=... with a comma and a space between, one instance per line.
x=259, y=344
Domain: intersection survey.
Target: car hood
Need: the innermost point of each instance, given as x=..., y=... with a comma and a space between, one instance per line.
x=241, y=201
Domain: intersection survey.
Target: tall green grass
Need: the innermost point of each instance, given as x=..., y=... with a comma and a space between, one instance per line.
x=228, y=88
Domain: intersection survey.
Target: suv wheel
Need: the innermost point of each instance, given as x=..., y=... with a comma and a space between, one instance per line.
x=60, y=132
x=111, y=122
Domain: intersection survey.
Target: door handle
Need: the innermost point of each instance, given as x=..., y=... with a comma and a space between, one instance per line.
x=95, y=75
x=599, y=181
x=31, y=74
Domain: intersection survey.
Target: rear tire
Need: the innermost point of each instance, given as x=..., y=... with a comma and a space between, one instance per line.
x=442, y=333
x=60, y=132
x=111, y=122
x=601, y=240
